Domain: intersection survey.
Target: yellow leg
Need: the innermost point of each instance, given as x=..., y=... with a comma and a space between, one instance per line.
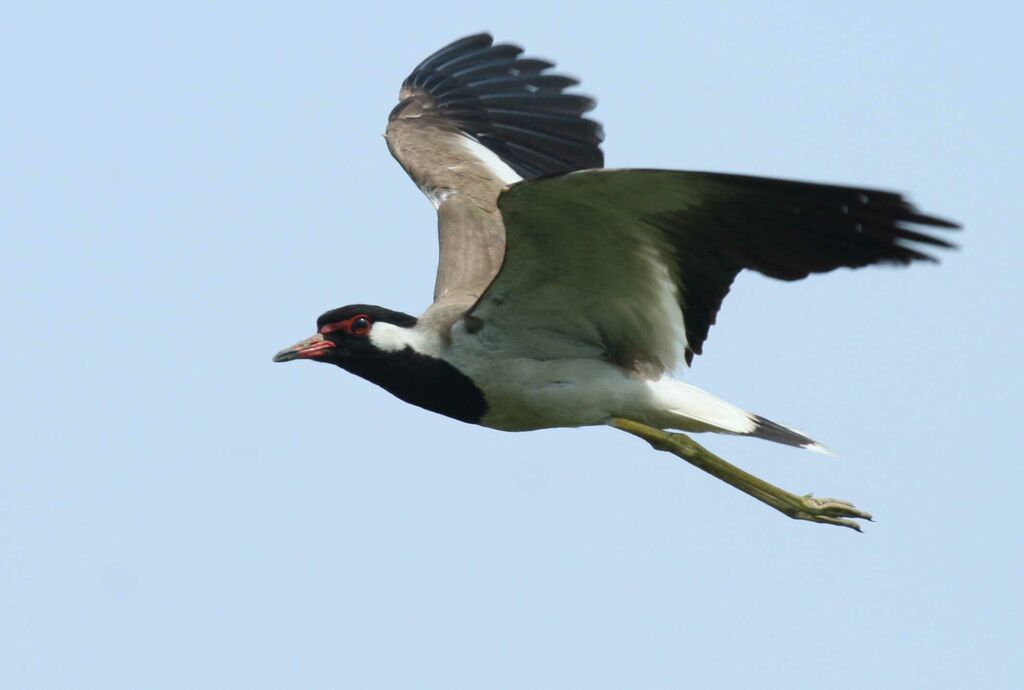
x=825, y=510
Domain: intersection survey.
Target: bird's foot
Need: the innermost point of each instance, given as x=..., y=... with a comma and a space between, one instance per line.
x=829, y=511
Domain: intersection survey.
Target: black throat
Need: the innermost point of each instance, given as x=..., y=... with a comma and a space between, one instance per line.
x=424, y=381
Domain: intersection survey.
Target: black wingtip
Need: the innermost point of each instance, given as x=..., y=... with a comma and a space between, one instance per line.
x=457, y=47
x=934, y=221
x=510, y=104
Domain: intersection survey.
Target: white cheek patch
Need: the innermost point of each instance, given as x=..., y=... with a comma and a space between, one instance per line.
x=391, y=338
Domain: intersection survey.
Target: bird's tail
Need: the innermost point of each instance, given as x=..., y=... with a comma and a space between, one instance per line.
x=688, y=408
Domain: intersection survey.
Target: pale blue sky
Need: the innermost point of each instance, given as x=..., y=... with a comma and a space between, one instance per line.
x=186, y=187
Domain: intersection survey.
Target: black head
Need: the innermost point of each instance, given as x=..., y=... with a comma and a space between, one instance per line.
x=372, y=343
x=343, y=335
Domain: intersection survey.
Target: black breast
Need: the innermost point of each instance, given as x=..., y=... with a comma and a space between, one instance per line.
x=424, y=381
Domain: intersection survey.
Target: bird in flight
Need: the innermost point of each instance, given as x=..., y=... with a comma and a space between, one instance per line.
x=567, y=294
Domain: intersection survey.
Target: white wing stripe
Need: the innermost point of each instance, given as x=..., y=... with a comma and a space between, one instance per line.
x=669, y=317
x=497, y=167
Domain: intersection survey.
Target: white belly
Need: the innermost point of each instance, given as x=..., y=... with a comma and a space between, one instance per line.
x=572, y=387
x=526, y=394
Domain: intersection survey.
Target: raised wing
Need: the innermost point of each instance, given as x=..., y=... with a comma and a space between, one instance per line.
x=637, y=262
x=473, y=118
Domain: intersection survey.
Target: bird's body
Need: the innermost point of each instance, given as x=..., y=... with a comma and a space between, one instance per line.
x=519, y=392
x=567, y=295
x=523, y=393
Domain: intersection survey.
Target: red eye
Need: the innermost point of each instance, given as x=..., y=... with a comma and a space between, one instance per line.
x=358, y=326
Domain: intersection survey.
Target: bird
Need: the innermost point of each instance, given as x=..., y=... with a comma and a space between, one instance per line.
x=568, y=294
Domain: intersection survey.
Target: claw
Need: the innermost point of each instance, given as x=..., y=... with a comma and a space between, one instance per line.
x=831, y=511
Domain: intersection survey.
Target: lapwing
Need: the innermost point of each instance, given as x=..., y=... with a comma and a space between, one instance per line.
x=568, y=294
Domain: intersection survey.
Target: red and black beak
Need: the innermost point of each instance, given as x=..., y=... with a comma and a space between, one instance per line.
x=310, y=348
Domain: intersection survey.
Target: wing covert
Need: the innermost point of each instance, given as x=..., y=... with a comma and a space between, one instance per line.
x=637, y=262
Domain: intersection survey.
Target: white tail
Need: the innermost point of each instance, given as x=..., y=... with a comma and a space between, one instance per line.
x=688, y=408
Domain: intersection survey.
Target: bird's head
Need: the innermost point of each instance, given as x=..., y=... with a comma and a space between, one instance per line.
x=385, y=348
x=349, y=335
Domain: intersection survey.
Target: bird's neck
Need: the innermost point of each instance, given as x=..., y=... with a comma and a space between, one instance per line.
x=423, y=380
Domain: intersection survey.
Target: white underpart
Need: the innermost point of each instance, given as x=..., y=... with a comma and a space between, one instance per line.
x=499, y=168
x=525, y=393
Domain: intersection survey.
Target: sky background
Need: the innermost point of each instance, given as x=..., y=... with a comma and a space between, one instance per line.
x=186, y=187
